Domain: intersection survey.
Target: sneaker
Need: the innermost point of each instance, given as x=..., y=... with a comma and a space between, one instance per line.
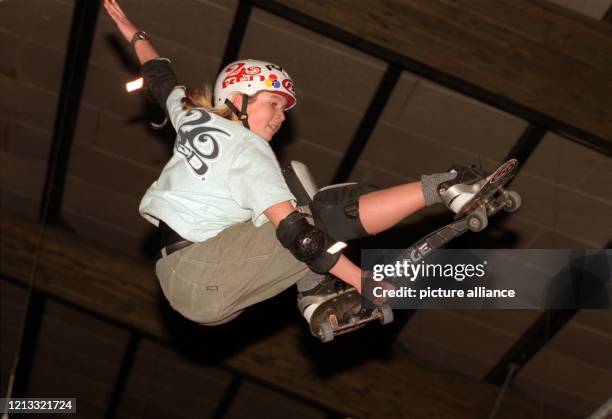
x=455, y=193
x=328, y=288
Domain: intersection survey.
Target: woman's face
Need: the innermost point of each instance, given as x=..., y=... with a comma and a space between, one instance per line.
x=266, y=113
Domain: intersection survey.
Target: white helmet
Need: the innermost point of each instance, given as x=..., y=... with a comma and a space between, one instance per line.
x=249, y=77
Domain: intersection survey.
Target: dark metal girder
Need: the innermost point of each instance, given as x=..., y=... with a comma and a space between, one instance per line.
x=607, y=17
x=123, y=374
x=28, y=344
x=84, y=19
x=525, y=145
x=236, y=35
x=228, y=397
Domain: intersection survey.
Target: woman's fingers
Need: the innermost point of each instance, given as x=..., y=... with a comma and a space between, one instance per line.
x=124, y=25
x=110, y=5
x=113, y=9
x=115, y=14
x=117, y=8
x=112, y=12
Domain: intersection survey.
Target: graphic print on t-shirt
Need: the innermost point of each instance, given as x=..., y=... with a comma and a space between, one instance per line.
x=196, y=141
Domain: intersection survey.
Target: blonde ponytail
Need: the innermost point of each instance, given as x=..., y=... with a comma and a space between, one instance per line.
x=203, y=98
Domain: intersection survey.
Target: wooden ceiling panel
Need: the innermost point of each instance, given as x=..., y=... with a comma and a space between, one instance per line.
x=560, y=161
x=569, y=374
x=261, y=402
x=546, y=394
x=49, y=26
x=594, y=9
x=202, y=25
x=598, y=180
x=410, y=154
x=459, y=122
x=568, y=212
x=586, y=343
x=525, y=53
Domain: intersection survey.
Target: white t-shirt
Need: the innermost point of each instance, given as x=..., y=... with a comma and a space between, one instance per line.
x=220, y=174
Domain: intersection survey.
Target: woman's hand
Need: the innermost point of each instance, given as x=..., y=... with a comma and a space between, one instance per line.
x=144, y=50
x=124, y=25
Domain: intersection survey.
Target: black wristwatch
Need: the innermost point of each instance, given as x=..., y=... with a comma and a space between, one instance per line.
x=139, y=36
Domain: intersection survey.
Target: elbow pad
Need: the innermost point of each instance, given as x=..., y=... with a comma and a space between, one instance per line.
x=159, y=79
x=307, y=243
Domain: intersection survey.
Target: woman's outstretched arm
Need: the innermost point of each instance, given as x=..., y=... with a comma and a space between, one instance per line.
x=143, y=48
x=158, y=76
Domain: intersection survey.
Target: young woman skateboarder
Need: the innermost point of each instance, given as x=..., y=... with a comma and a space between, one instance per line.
x=231, y=235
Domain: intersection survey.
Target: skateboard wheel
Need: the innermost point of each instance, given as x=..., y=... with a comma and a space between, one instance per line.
x=477, y=220
x=326, y=333
x=387, y=314
x=515, y=201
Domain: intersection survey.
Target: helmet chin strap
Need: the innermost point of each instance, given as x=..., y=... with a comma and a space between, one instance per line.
x=241, y=114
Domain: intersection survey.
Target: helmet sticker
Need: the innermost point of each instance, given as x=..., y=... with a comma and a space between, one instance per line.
x=272, y=81
x=238, y=73
x=272, y=67
x=288, y=84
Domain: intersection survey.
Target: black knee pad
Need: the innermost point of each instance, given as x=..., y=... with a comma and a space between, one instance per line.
x=336, y=210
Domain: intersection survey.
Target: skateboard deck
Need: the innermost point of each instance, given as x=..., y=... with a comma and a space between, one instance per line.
x=491, y=198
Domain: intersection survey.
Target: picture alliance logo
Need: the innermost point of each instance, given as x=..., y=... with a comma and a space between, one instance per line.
x=412, y=271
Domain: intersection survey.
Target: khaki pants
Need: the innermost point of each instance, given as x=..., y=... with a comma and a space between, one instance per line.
x=212, y=282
